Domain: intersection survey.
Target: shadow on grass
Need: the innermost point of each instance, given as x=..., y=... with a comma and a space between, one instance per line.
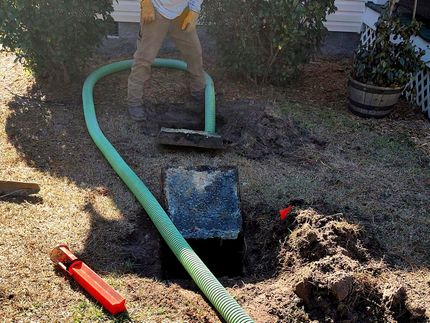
x=22, y=199
x=50, y=134
x=129, y=246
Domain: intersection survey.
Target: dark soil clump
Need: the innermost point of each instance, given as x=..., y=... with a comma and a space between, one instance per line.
x=251, y=129
x=255, y=132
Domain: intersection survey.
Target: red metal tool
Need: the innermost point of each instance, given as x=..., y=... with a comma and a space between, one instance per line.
x=111, y=300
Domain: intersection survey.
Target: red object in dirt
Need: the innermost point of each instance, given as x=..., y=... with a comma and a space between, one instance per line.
x=111, y=300
x=283, y=213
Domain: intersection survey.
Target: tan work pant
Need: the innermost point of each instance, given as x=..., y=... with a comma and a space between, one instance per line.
x=150, y=39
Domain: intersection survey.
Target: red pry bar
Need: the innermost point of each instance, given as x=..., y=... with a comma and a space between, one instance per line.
x=111, y=300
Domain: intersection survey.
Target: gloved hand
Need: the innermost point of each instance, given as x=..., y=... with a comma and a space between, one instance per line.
x=190, y=20
x=147, y=12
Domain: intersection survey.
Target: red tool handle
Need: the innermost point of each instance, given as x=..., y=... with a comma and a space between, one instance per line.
x=111, y=300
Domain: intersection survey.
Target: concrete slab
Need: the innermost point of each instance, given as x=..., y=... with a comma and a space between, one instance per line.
x=203, y=202
x=190, y=138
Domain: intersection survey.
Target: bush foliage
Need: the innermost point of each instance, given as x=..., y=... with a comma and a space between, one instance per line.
x=391, y=59
x=54, y=37
x=267, y=40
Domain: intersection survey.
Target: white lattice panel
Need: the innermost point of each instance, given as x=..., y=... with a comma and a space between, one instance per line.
x=368, y=35
x=418, y=91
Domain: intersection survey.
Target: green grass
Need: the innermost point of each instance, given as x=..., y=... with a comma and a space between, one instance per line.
x=88, y=311
x=346, y=130
x=390, y=145
x=152, y=311
x=313, y=118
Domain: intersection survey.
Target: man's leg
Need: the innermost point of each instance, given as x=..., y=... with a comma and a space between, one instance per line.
x=150, y=39
x=189, y=44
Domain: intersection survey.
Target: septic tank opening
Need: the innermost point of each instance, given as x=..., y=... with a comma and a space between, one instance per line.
x=223, y=257
x=204, y=204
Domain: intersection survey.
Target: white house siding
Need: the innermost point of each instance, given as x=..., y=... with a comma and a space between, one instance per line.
x=126, y=11
x=347, y=18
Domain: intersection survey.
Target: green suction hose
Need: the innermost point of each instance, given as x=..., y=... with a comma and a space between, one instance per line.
x=205, y=280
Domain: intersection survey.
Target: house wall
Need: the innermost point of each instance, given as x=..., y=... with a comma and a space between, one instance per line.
x=347, y=18
x=126, y=11
x=343, y=38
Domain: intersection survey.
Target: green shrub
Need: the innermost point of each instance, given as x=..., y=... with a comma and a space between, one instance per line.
x=392, y=59
x=54, y=37
x=267, y=41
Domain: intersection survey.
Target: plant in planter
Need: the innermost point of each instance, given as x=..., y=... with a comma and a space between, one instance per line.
x=383, y=68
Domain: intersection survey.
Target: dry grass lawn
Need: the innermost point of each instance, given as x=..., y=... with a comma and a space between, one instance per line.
x=374, y=173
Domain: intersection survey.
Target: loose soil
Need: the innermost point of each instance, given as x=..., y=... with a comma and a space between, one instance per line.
x=327, y=274
x=250, y=129
x=354, y=249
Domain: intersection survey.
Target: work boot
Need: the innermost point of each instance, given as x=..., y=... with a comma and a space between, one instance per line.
x=137, y=113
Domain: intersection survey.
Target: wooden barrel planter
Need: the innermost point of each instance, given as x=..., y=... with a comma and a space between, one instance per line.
x=372, y=101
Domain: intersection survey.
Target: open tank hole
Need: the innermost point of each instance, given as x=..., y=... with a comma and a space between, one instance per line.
x=223, y=257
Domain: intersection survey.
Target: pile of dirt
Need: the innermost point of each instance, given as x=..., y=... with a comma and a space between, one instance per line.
x=326, y=274
x=250, y=128
x=256, y=132
x=318, y=237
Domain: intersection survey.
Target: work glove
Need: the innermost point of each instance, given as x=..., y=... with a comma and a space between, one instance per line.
x=147, y=12
x=189, y=22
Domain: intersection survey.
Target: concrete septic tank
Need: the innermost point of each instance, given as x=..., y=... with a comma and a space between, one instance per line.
x=204, y=204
